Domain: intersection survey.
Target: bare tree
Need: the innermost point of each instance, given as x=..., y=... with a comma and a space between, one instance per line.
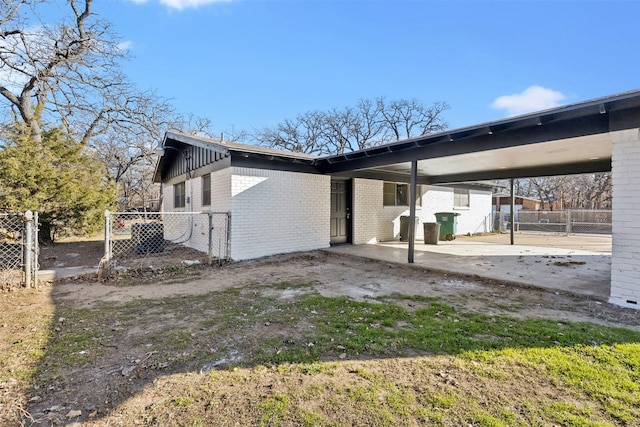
x=305, y=134
x=407, y=118
x=367, y=124
x=586, y=191
x=69, y=72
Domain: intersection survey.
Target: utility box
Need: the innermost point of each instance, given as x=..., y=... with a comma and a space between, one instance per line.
x=147, y=238
x=431, y=233
x=448, y=224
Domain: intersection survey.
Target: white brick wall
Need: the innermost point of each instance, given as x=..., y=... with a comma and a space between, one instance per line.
x=374, y=222
x=625, y=258
x=221, y=190
x=476, y=219
x=277, y=212
x=368, y=226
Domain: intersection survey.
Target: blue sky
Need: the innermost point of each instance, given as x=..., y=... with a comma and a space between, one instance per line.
x=247, y=64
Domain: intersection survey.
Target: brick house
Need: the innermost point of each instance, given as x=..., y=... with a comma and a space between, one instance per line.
x=279, y=202
x=283, y=202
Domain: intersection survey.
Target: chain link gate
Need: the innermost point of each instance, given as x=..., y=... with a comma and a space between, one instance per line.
x=570, y=221
x=19, y=249
x=139, y=239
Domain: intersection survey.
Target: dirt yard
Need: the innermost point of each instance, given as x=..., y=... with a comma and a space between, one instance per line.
x=99, y=353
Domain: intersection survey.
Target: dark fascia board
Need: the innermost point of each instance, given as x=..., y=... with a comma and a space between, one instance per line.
x=601, y=165
x=600, y=115
x=236, y=148
x=272, y=162
x=422, y=180
x=241, y=155
x=188, y=140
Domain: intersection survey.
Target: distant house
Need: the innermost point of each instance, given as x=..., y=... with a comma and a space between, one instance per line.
x=502, y=203
x=283, y=202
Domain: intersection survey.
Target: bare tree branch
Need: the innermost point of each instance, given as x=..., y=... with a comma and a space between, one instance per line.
x=367, y=124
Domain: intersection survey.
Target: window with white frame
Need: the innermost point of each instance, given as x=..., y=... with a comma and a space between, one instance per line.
x=398, y=194
x=206, y=190
x=179, y=195
x=460, y=198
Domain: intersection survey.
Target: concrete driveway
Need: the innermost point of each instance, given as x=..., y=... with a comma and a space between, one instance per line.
x=576, y=264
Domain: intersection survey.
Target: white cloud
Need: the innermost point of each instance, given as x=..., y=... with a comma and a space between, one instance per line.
x=534, y=98
x=125, y=45
x=186, y=4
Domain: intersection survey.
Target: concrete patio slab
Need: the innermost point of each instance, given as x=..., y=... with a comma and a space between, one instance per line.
x=561, y=269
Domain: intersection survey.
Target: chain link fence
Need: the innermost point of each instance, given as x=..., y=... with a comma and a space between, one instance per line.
x=142, y=239
x=573, y=221
x=18, y=249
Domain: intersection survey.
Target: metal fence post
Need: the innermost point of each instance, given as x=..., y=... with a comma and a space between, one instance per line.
x=227, y=251
x=210, y=248
x=107, y=234
x=28, y=216
x=36, y=248
x=568, y=220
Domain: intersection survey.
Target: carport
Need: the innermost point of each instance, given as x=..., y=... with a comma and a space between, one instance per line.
x=599, y=135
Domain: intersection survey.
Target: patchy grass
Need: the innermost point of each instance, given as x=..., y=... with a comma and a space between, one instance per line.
x=281, y=354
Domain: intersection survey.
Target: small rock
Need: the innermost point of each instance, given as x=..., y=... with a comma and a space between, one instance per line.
x=127, y=371
x=9, y=383
x=73, y=414
x=190, y=262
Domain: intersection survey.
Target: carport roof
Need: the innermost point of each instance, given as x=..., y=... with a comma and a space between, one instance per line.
x=559, y=141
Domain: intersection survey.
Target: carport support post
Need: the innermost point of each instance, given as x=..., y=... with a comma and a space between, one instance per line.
x=512, y=217
x=412, y=209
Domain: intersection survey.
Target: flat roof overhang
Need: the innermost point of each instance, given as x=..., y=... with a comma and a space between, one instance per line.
x=561, y=141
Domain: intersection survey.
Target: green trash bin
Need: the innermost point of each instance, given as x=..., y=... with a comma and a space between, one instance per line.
x=448, y=224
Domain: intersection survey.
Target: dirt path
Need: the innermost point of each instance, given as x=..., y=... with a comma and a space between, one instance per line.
x=115, y=338
x=358, y=278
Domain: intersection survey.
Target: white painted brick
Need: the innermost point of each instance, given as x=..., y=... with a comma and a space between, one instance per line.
x=278, y=212
x=374, y=222
x=625, y=274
